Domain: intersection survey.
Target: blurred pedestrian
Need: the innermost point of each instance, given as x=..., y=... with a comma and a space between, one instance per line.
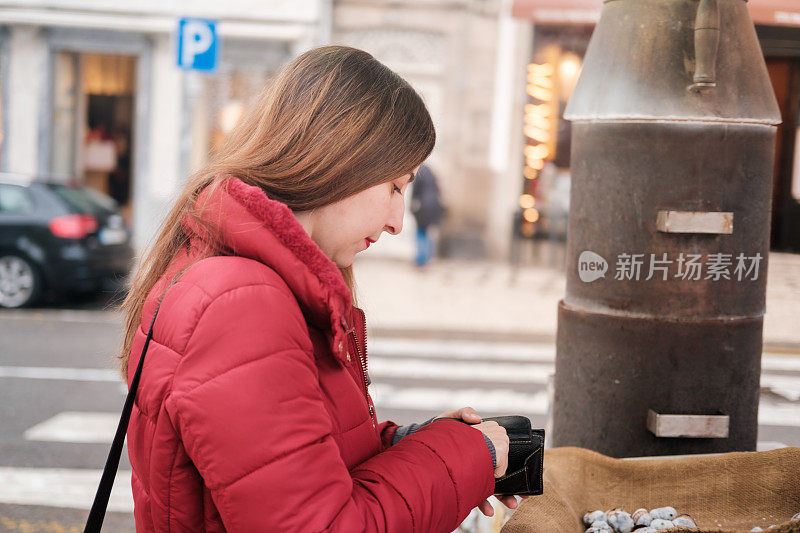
x=253, y=412
x=426, y=206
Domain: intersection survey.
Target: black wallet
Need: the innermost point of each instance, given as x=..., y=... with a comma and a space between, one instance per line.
x=525, y=457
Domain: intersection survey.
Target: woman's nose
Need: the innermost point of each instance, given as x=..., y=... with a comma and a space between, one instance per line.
x=395, y=224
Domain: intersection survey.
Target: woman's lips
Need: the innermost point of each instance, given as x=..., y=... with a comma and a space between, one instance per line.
x=368, y=242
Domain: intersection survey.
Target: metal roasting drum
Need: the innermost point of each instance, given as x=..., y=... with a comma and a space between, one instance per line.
x=673, y=136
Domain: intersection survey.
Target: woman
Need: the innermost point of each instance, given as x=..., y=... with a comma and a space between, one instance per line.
x=253, y=412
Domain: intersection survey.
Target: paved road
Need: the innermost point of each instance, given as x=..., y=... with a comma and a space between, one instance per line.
x=61, y=399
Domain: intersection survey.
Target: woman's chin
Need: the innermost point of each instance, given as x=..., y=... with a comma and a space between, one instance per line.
x=344, y=262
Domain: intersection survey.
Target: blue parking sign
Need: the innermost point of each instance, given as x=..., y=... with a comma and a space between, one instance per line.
x=197, y=44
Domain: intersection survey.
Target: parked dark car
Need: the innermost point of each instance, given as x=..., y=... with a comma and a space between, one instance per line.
x=58, y=237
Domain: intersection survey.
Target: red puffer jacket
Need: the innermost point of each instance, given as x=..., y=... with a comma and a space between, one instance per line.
x=253, y=413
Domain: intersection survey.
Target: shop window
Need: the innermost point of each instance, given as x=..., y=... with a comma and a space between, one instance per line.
x=219, y=100
x=93, y=116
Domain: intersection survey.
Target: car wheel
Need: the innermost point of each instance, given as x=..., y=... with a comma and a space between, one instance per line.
x=20, y=283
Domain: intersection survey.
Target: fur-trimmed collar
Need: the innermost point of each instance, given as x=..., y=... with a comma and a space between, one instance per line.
x=255, y=226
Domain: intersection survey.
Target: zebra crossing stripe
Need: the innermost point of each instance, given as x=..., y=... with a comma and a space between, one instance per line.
x=779, y=362
x=390, y=347
x=100, y=427
x=62, y=487
x=406, y=367
x=785, y=386
x=437, y=398
x=74, y=426
x=495, y=372
x=384, y=350
x=778, y=414
x=429, y=399
x=530, y=353
x=67, y=374
x=461, y=371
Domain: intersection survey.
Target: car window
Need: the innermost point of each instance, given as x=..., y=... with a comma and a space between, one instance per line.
x=100, y=200
x=15, y=199
x=84, y=199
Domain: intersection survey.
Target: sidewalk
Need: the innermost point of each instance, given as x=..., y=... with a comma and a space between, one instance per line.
x=493, y=301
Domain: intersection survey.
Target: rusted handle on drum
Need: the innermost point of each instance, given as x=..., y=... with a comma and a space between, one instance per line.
x=706, y=43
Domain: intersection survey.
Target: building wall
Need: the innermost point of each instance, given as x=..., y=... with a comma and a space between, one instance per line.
x=27, y=62
x=513, y=50
x=307, y=11
x=448, y=51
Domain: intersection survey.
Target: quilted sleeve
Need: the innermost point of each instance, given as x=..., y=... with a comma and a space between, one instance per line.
x=247, y=407
x=402, y=431
x=387, y=432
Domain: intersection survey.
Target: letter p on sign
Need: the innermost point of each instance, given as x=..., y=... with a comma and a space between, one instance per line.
x=197, y=44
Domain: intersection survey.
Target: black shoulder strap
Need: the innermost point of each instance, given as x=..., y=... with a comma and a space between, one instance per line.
x=98, y=512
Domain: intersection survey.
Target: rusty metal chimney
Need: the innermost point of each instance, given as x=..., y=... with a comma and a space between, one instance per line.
x=660, y=331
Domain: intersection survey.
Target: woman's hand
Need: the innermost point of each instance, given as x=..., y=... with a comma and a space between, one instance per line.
x=494, y=431
x=497, y=434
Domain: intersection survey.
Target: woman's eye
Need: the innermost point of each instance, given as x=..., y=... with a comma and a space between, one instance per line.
x=396, y=188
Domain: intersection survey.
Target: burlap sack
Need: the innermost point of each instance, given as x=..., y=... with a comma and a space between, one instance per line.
x=730, y=492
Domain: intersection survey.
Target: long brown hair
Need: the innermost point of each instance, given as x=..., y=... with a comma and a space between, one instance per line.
x=333, y=122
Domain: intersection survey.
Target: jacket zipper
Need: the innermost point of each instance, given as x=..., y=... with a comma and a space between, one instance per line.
x=363, y=362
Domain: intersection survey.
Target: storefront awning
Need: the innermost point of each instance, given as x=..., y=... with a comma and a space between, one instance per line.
x=775, y=12
x=767, y=12
x=558, y=11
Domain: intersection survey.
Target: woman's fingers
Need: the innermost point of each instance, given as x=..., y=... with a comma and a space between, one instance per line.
x=486, y=508
x=509, y=501
x=470, y=415
x=467, y=414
